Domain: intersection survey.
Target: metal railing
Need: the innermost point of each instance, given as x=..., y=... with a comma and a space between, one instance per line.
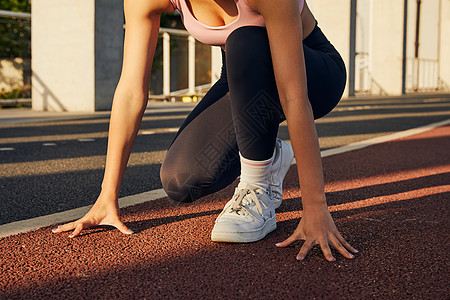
x=363, y=79
x=13, y=14
x=201, y=59
x=197, y=61
x=15, y=58
x=422, y=75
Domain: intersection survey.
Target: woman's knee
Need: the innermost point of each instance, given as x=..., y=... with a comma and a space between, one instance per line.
x=179, y=185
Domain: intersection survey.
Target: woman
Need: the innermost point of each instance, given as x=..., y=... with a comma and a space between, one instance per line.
x=233, y=129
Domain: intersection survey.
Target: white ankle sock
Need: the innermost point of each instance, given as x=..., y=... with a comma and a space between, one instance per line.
x=255, y=172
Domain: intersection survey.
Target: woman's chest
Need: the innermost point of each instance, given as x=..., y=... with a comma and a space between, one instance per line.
x=213, y=13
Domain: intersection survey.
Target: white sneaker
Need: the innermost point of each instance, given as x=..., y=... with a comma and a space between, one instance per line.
x=248, y=217
x=281, y=163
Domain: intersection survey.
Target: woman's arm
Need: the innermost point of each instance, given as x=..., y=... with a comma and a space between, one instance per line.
x=142, y=19
x=285, y=31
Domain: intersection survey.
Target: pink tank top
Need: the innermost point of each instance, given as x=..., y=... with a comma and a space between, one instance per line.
x=217, y=35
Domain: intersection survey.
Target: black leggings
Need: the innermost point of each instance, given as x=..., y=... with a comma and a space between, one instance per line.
x=241, y=112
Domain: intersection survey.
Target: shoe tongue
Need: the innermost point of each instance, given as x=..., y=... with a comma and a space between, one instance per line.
x=244, y=185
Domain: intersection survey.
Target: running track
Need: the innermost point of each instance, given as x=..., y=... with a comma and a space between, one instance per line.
x=390, y=200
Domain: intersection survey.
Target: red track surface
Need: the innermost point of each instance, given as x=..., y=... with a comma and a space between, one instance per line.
x=390, y=200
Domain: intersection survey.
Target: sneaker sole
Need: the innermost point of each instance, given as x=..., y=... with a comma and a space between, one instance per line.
x=245, y=237
x=284, y=169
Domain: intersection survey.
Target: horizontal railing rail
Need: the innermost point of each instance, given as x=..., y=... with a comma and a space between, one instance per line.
x=193, y=89
x=14, y=14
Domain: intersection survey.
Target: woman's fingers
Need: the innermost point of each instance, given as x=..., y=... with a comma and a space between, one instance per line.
x=339, y=247
x=78, y=226
x=307, y=245
x=344, y=243
x=122, y=228
x=77, y=230
x=288, y=241
x=101, y=213
x=326, y=250
x=65, y=227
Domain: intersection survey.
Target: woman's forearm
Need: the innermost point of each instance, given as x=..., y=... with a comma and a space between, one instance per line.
x=307, y=152
x=130, y=99
x=126, y=116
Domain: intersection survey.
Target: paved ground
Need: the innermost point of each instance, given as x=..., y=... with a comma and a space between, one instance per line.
x=53, y=162
x=389, y=200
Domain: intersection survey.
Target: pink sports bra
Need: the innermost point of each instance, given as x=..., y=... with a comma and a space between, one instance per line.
x=217, y=35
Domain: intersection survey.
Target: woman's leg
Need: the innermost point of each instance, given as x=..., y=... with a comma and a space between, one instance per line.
x=249, y=216
x=203, y=157
x=254, y=98
x=325, y=72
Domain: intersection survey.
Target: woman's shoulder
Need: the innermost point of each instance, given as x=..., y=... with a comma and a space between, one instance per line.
x=164, y=5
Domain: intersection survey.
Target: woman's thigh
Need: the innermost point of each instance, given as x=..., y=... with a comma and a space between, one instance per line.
x=204, y=157
x=325, y=72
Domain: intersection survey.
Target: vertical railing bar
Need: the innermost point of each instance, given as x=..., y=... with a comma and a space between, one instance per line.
x=166, y=64
x=191, y=65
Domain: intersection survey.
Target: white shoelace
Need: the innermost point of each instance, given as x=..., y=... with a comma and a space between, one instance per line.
x=244, y=197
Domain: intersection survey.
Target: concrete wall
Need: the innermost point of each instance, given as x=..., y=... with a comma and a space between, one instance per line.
x=334, y=20
x=429, y=28
x=379, y=32
x=423, y=72
x=387, y=45
x=108, y=50
x=76, y=50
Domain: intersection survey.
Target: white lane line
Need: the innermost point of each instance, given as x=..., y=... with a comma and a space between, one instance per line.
x=7, y=149
x=89, y=137
x=158, y=131
x=380, y=139
x=383, y=139
x=73, y=214
x=146, y=132
x=49, y=144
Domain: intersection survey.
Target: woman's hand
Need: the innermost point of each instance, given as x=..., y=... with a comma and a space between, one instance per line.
x=317, y=227
x=104, y=212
